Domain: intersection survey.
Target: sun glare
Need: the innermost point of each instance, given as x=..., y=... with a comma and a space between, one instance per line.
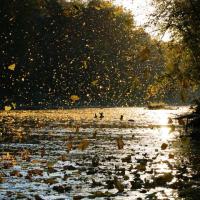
x=141, y=10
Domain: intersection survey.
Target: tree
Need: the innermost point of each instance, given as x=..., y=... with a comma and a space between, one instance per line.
x=182, y=19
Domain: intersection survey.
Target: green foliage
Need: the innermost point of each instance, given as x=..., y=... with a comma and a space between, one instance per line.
x=182, y=20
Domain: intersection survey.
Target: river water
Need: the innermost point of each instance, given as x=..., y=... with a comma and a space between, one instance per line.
x=71, y=154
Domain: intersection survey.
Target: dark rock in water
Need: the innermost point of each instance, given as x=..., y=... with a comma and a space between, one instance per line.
x=91, y=171
x=38, y=197
x=118, y=185
x=127, y=159
x=96, y=184
x=136, y=184
x=110, y=184
x=69, y=167
x=77, y=197
x=95, y=161
x=62, y=188
x=163, y=179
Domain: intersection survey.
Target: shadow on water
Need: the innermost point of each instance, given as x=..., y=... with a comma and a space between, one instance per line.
x=65, y=156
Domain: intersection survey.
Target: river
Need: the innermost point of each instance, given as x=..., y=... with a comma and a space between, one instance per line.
x=128, y=153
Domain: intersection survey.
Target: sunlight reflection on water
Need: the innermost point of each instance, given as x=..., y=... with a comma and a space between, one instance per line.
x=142, y=158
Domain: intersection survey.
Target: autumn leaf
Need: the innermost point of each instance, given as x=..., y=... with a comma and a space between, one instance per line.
x=94, y=82
x=97, y=8
x=7, y=108
x=74, y=98
x=69, y=146
x=120, y=143
x=14, y=105
x=164, y=146
x=118, y=184
x=171, y=156
x=83, y=144
x=12, y=67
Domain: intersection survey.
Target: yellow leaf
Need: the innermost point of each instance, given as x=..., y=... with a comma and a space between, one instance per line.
x=83, y=144
x=7, y=108
x=14, y=105
x=74, y=98
x=94, y=82
x=12, y=67
x=97, y=8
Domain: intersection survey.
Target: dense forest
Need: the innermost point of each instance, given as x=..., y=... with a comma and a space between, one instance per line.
x=60, y=54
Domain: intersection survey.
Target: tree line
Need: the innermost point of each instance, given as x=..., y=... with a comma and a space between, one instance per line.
x=54, y=49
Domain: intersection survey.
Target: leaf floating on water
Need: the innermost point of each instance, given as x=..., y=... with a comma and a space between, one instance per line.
x=12, y=67
x=15, y=173
x=164, y=146
x=118, y=184
x=94, y=134
x=35, y=172
x=1, y=179
x=171, y=156
x=74, y=98
x=120, y=143
x=69, y=146
x=83, y=145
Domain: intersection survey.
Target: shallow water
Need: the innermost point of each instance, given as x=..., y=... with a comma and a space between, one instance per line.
x=69, y=154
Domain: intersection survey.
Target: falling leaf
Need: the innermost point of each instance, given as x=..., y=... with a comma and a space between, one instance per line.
x=94, y=82
x=97, y=8
x=74, y=98
x=83, y=144
x=13, y=105
x=7, y=108
x=120, y=143
x=164, y=146
x=12, y=67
